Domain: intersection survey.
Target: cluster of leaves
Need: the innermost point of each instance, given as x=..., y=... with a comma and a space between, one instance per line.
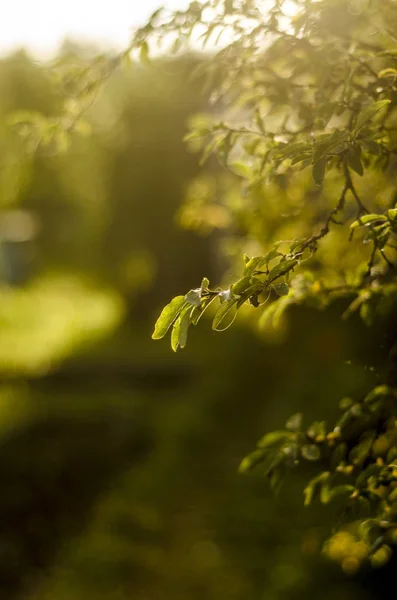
x=307, y=84
x=286, y=109
x=357, y=460
x=262, y=275
x=270, y=278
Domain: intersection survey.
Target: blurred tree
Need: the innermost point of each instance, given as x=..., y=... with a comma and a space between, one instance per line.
x=48, y=493
x=91, y=209
x=295, y=83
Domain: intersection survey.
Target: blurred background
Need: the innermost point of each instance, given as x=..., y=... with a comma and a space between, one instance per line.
x=118, y=459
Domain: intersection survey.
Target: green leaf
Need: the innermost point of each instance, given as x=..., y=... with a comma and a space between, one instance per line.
x=314, y=486
x=175, y=335
x=372, y=146
x=281, y=288
x=241, y=169
x=338, y=455
x=259, y=121
x=213, y=145
x=392, y=214
x=168, y=316
x=341, y=491
x=297, y=245
x=273, y=253
x=274, y=462
x=198, y=311
x=195, y=134
x=391, y=455
x=368, y=113
x=250, y=461
x=179, y=331
x=225, y=148
x=306, y=163
x=222, y=313
x=277, y=478
x=370, y=471
x=261, y=276
x=241, y=285
x=294, y=423
x=329, y=145
x=350, y=415
x=354, y=159
x=346, y=403
x=367, y=220
x=274, y=439
x=359, y=453
x=325, y=492
x=388, y=72
x=292, y=150
x=283, y=267
x=311, y=452
x=253, y=264
x=144, y=53
x=317, y=428
x=177, y=45
x=392, y=497
x=252, y=294
x=184, y=326
x=367, y=313
x=156, y=14
x=305, y=156
x=380, y=392
x=318, y=171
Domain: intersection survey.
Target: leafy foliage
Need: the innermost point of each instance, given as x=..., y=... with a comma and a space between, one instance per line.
x=305, y=86
x=304, y=122
x=358, y=470
x=185, y=509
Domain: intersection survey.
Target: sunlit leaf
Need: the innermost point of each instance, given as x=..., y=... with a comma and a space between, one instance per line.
x=283, y=267
x=168, y=316
x=281, y=288
x=294, y=423
x=368, y=113
x=318, y=171
x=314, y=486
x=274, y=439
x=311, y=452
x=368, y=219
x=225, y=315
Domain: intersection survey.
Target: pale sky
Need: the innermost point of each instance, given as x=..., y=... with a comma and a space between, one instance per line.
x=41, y=25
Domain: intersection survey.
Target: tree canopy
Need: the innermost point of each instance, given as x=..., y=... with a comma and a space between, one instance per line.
x=304, y=122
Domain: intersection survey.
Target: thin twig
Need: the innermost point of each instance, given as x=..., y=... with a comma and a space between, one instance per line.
x=370, y=262
x=312, y=241
x=388, y=262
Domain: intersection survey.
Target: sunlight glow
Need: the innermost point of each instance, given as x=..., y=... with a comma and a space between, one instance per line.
x=289, y=8
x=41, y=25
